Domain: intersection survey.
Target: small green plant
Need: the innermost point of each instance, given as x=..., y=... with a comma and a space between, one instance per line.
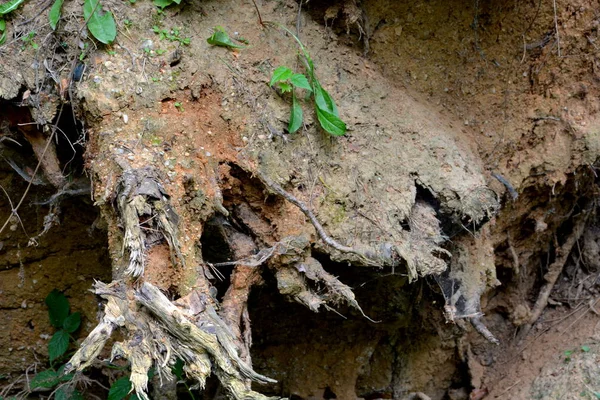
x=221, y=38
x=568, y=354
x=100, y=24
x=67, y=323
x=288, y=81
x=173, y=35
x=160, y=52
x=28, y=40
x=178, y=105
x=585, y=348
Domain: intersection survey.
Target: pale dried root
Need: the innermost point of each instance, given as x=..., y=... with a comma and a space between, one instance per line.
x=160, y=332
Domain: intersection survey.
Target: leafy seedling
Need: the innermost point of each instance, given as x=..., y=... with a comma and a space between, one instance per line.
x=100, y=24
x=284, y=78
x=172, y=35
x=179, y=106
x=221, y=38
x=66, y=322
x=28, y=40
x=325, y=107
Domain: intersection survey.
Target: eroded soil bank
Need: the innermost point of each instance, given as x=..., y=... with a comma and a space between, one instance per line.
x=440, y=97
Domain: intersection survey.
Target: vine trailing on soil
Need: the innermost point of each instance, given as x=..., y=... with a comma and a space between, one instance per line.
x=288, y=81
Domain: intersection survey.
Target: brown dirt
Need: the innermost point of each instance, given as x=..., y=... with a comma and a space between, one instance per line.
x=489, y=73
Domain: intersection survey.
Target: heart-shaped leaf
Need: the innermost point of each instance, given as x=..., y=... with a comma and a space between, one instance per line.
x=281, y=74
x=300, y=81
x=58, y=345
x=72, y=322
x=101, y=26
x=58, y=308
x=119, y=389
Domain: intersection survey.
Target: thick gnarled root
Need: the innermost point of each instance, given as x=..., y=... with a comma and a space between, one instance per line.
x=159, y=332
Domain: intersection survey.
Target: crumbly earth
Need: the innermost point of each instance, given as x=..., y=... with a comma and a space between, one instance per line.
x=438, y=96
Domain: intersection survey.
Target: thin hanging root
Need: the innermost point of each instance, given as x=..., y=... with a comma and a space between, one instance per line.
x=337, y=290
x=313, y=219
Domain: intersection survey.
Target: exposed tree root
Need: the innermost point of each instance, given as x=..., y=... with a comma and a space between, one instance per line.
x=46, y=155
x=420, y=251
x=143, y=198
x=159, y=332
x=291, y=282
x=554, y=271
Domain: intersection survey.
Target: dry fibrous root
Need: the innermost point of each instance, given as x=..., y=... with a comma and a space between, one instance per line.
x=421, y=248
x=144, y=207
x=159, y=332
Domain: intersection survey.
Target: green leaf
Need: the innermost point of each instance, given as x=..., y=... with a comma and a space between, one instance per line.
x=54, y=14
x=45, y=379
x=295, y=116
x=300, y=81
x=2, y=31
x=62, y=376
x=221, y=38
x=585, y=348
x=177, y=369
x=119, y=389
x=72, y=322
x=331, y=123
x=58, y=308
x=165, y=3
x=281, y=74
x=58, y=345
x=162, y=3
x=10, y=6
x=101, y=26
x=67, y=392
x=324, y=100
